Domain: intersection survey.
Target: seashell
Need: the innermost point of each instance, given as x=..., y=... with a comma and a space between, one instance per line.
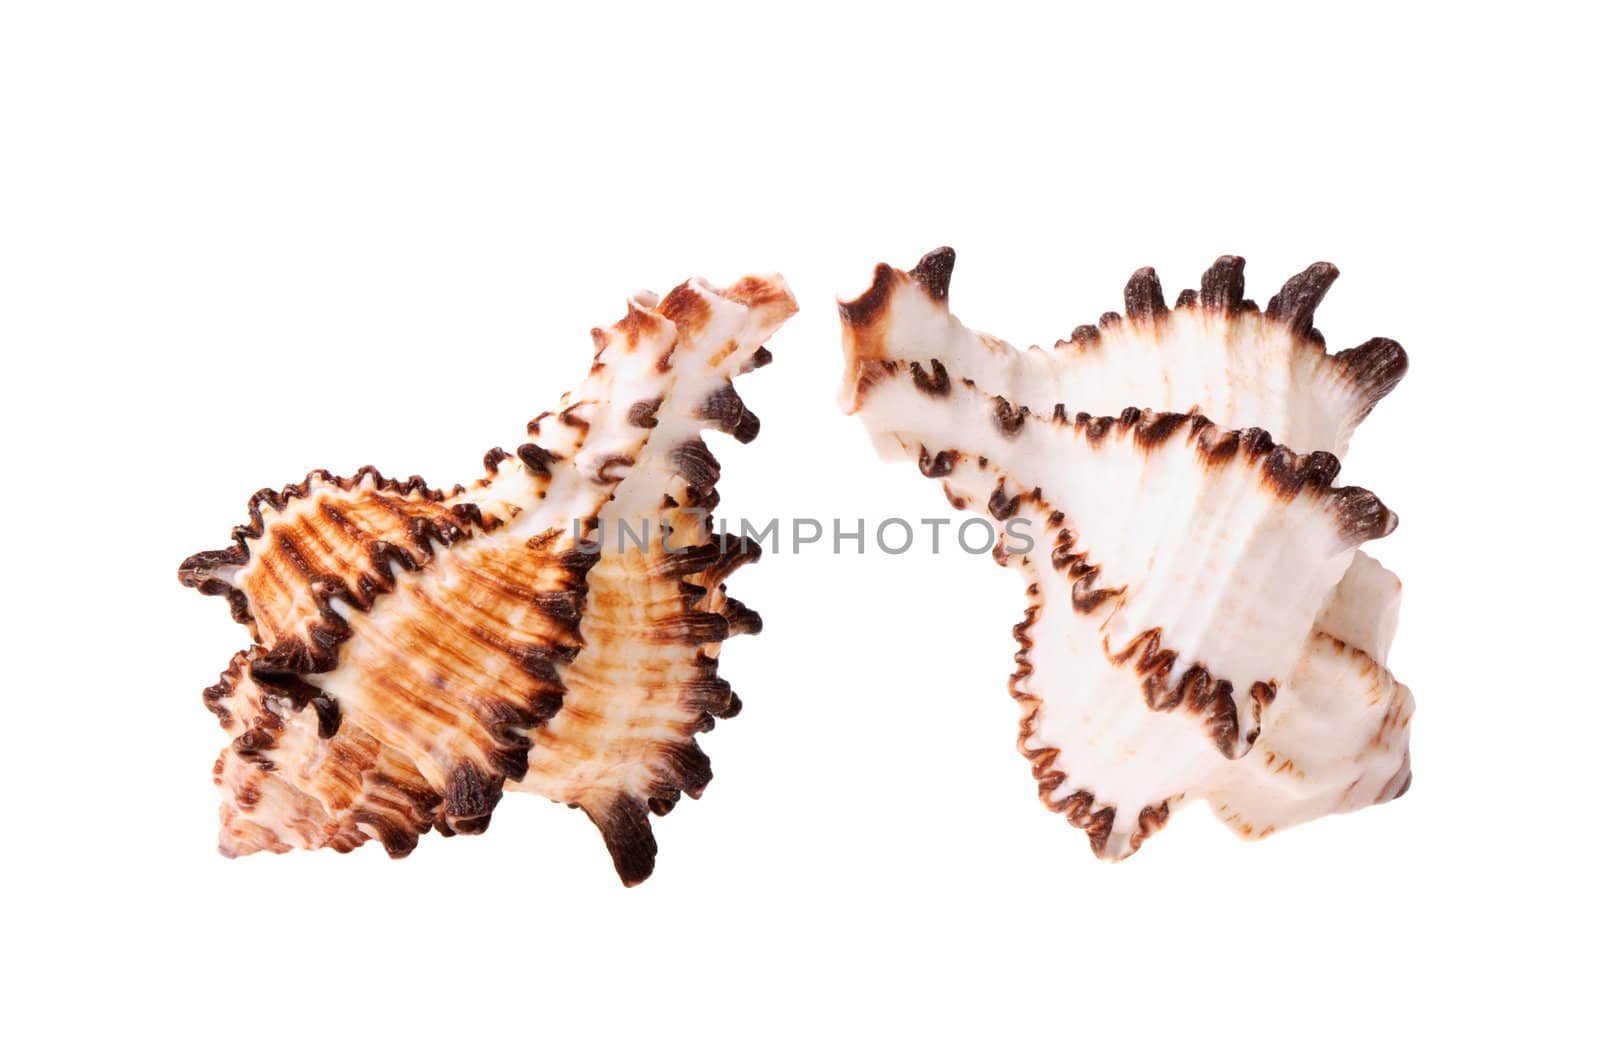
x=417, y=652
x=1200, y=621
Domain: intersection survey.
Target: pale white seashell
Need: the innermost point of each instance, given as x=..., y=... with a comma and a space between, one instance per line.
x=1179, y=573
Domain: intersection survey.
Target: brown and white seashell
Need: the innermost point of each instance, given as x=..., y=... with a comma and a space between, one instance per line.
x=1200, y=622
x=417, y=652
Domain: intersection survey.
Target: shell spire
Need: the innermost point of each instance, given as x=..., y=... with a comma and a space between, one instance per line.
x=412, y=647
x=1198, y=611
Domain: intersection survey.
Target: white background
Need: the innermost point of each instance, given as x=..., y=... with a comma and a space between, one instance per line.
x=242, y=241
